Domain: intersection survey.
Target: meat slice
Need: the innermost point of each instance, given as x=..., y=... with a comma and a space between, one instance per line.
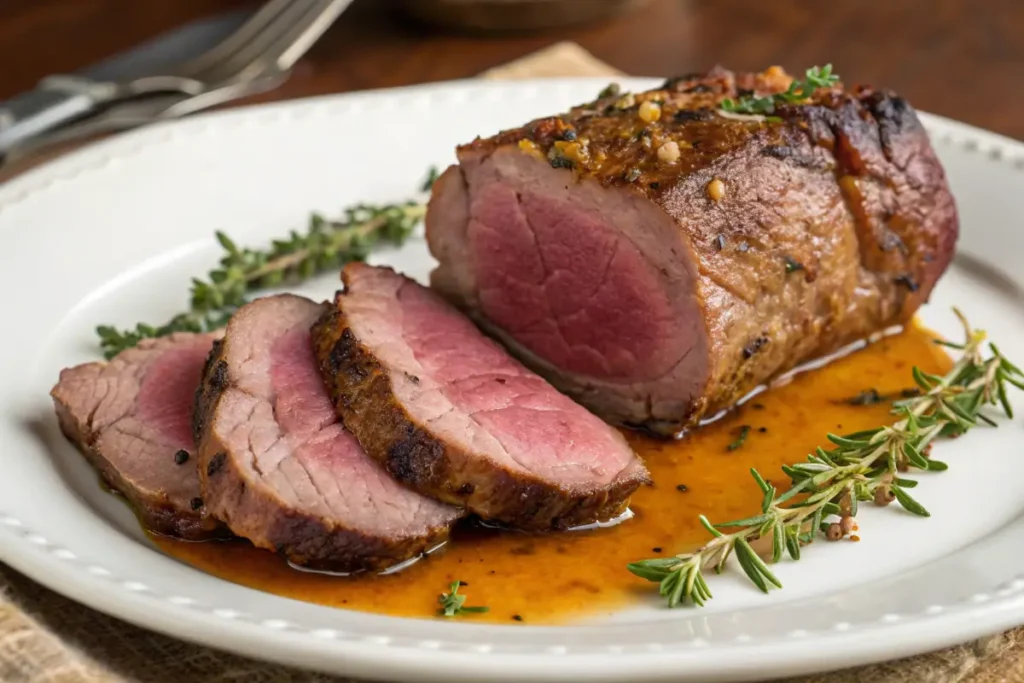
x=659, y=261
x=450, y=413
x=131, y=419
x=278, y=467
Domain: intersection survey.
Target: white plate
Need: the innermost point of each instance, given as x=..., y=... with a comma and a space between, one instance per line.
x=114, y=232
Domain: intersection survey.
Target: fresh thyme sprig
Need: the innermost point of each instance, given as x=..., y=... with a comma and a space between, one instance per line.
x=864, y=466
x=325, y=245
x=453, y=603
x=814, y=78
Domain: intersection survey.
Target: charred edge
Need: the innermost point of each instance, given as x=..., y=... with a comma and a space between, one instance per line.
x=359, y=385
x=795, y=155
x=309, y=542
x=342, y=364
x=219, y=377
x=907, y=280
x=753, y=347
x=413, y=459
x=205, y=394
x=702, y=114
x=847, y=129
x=539, y=506
x=216, y=464
x=895, y=117
x=212, y=356
x=674, y=82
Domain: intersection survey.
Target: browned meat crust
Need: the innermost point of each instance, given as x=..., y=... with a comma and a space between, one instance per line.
x=835, y=221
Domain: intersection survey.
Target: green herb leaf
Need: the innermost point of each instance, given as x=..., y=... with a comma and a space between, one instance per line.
x=740, y=440
x=326, y=245
x=855, y=469
x=908, y=503
x=453, y=602
x=798, y=91
x=428, y=182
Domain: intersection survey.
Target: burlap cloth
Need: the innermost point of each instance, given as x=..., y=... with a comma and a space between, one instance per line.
x=45, y=638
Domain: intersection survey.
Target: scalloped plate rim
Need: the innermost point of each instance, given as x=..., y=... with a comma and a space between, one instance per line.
x=368, y=659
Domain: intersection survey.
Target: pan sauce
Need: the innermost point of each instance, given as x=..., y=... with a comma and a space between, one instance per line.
x=552, y=577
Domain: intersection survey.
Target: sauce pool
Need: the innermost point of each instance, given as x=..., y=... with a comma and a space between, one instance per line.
x=549, y=578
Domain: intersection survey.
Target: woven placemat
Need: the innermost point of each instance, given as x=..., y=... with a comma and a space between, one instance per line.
x=46, y=638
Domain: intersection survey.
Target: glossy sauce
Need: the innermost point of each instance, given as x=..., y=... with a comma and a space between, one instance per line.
x=553, y=577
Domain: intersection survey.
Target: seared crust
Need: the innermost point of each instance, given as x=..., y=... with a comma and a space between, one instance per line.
x=835, y=223
x=303, y=539
x=361, y=390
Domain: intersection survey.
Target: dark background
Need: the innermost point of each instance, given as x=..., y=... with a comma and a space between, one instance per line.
x=959, y=58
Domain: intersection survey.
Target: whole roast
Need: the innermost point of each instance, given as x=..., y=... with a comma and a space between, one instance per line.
x=657, y=257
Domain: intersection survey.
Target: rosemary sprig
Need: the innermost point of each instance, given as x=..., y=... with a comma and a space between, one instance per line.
x=326, y=245
x=814, y=78
x=453, y=603
x=864, y=466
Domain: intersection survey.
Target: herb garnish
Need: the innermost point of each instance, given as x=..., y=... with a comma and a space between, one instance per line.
x=740, y=440
x=428, y=182
x=453, y=603
x=814, y=78
x=792, y=265
x=326, y=245
x=872, y=396
x=864, y=466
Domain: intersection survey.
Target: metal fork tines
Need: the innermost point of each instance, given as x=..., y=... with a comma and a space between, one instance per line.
x=256, y=57
x=272, y=39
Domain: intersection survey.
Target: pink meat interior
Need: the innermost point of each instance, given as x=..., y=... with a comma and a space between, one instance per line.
x=167, y=394
x=470, y=391
x=567, y=287
x=303, y=453
x=303, y=408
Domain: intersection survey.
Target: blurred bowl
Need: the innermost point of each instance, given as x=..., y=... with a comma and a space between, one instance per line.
x=494, y=16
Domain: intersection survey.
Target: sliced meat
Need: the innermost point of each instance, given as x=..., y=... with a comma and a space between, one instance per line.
x=659, y=269
x=450, y=413
x=131, y=419
x=278, y=467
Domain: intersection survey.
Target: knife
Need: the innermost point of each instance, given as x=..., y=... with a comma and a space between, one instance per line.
x=61, y=99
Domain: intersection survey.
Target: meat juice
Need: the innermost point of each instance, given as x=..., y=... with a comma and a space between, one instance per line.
x=555, y=577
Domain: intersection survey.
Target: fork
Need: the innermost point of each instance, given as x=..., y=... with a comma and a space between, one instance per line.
x=260, y=52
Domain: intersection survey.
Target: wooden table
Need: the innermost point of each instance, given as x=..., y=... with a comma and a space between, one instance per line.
x=960, y=58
